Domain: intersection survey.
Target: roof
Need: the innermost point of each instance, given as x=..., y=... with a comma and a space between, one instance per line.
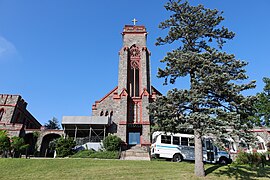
x=104, y=120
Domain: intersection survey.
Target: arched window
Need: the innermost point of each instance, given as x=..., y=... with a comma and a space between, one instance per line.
x=111, y=113
x=101, y=113
x=106, y=113
x=1, y=113
x=134, y=71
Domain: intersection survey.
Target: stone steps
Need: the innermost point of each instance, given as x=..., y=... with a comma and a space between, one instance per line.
x=135, y=153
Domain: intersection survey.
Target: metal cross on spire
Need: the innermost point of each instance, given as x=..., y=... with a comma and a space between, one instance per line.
x=134, y=21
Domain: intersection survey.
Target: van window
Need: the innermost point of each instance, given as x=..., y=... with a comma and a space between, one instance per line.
x=203, y=143
x=165, y=139
x=154, y=139
x=209, y=145
x=191, y=142
x=176, y=140
x=184, y=141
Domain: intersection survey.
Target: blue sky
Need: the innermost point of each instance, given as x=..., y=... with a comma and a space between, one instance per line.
x=62, y=55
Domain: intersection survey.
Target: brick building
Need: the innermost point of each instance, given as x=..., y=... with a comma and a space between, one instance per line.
x=123, y=111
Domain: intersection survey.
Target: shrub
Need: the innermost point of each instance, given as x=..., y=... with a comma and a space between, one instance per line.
x=64, y=146
x=4, y=143
x=242, y=158
x=252, y=159
x=83, y=154
x=97, y=154
x=112, y=143
x=17, y=145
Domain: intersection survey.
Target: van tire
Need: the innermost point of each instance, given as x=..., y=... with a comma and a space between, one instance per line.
x=177, y=158
x=223, y=161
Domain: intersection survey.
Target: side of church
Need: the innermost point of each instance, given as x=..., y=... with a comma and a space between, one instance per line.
x=14, y=116
x=18, y=121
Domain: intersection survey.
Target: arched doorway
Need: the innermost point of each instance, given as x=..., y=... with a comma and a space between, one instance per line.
x=44, y=150
x=31, y=141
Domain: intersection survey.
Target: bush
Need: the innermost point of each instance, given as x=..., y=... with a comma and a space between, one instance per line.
x=83, y=154
x=64, y=146
x=17, y=145
x=105, y=155
x=96, y=154
x=4, y=143
x=112, y=143
x=252, y=159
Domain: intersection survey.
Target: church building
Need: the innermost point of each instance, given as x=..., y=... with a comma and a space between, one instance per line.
x=123, y=111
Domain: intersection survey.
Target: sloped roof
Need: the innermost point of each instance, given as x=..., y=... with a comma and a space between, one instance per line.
x=85, y=120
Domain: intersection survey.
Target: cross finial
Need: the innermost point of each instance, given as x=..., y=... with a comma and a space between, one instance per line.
x=134, y=21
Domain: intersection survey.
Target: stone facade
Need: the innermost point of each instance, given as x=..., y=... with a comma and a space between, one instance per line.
x=14, y=117
x=18, y=121
x=127, y=103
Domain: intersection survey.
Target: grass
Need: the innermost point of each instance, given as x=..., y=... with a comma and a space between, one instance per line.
x=118, y=169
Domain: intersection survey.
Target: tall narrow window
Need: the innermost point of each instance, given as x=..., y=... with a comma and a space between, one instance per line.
x=134, y=81
x=101, y=113
x=1, y=113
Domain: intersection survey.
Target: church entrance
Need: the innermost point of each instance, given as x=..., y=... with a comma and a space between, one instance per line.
x=134, y=135
x=134, y=138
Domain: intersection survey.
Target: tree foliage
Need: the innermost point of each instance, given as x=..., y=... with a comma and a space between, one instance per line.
x=262, y=105
x=112, y=143
x=17, y=145
x=11, y=146
x=64, y=146
x=4, y=143
x=52, y=124
x=213, y=103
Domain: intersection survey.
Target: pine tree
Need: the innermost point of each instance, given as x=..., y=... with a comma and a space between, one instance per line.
x=52, y=124
x=213, y=103
x=262, y=105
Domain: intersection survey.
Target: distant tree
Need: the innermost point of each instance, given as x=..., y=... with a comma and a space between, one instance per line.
x=52, y=124
x=214, y=102
x=4, y=143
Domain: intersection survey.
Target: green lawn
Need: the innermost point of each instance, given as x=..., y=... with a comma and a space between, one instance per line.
x=118, y=169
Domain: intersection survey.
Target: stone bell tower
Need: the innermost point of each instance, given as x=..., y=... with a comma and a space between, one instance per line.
x=134, y=79
x=126, y=105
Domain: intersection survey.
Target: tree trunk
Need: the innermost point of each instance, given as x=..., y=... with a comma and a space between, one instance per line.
x=199, y=166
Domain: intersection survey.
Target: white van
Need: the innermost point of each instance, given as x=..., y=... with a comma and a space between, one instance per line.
x=180, y=147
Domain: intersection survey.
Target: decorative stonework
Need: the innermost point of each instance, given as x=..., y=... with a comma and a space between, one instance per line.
x=126, y=105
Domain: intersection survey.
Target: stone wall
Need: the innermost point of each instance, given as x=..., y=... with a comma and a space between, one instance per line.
x=106, y=106
x=8, y=104
x=138, y=39
x=15, y=111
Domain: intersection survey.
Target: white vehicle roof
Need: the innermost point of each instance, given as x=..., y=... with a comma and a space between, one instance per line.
x=157, y=133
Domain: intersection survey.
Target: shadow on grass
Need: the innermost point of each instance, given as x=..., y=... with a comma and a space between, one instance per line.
x=211, y=169
x=243, y=172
